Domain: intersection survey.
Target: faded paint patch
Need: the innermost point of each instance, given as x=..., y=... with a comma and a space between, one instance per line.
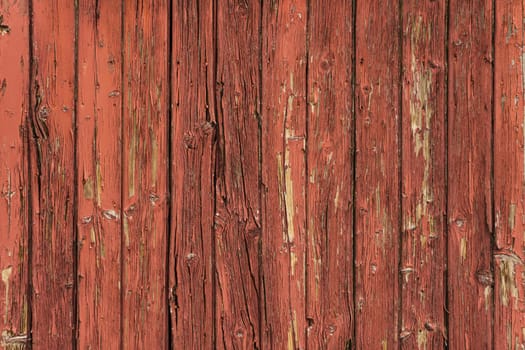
x=422, y=339
x=6, y=274
x=512, y=216
x=88, y=188
x=507, y=265
x=463, y=248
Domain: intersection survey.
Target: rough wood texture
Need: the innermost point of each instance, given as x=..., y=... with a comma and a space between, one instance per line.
x=226, y=174
x=509, y=176
x=423, y=258
x=99, y=173
x=330, y=173
x=145, y=170
x=14, y=184
x=237, y=217
x=377, y=295
x=284, y=174
x=52, y=174
x=470, y=278
x=192, y=164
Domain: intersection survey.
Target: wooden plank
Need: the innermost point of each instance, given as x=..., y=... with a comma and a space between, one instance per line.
x=330, y=172
x=99, y=173
x=14, y=184
x=377, y=174
x=192, y=190
x=237, y=218
x=52, y=170
x=284, y=174
x=423, y=259
x=470, y=280
x=145, y=180
x=509, y=176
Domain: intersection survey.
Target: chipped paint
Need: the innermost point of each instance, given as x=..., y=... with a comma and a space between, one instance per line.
x=6, y=275
x=422, y=339
x=88, y=188
x=512, y=215
x=463, y=248
x=507, y=274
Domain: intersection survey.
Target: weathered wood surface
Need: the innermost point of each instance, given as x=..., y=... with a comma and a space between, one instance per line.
x=193, y=121
x=145, y=125
x=52, y=172
x=423, y=237
x=284, y=176
x=238, y=200
x=377, y=193
x=509, y=176
x=99, y=163
x=329, y=293
x=470, y=277
x=14, y=177
x=262, y=174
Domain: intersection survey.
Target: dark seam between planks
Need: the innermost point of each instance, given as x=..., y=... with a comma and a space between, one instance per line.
x=214, y=159
x=492, y=187
x=259, y=175
x=122, y=198
x=169, y=132
x=354, y=163
x=29, y=133
x=306, y=139
x=445, y=131
x=400, y=228
x=75, y=250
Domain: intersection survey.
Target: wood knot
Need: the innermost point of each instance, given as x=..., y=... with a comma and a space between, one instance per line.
x=485, y=277
x=328, y=61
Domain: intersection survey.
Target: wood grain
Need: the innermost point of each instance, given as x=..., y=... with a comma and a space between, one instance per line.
x=14, y=182
x=509, y=176
x=237, y=217
x=329, y=249
x=423, y=258
x=470, y=278
x=284, y=180
x=52, y=170
x=377, y=294
x=99, y=164
x=145, y=174
x=192, y=172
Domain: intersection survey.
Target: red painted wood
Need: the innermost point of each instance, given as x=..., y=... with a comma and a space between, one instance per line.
x=509, y=174
x=284, y=177
x=228, y=221
x=145, y=169
x=52, y=172
x=237, y=218
x=193, y=168
x=329, y=250
x=423, y=260
x=14, y=184
x=377, y=295
x=99, y=168
x=470, y=279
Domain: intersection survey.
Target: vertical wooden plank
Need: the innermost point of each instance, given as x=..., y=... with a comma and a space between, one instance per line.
x=145, y=162
x=14, y=184
x=99, y=170
x=330, y=172
x=193, y=153
x=377, y=174
x=284, y=173
x=423, y=184
x=470, y=279
x=52, y=173
x=509, y=176
x=237, y=218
